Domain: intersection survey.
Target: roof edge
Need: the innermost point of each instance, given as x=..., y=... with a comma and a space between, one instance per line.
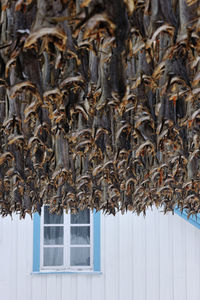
x=194, y=220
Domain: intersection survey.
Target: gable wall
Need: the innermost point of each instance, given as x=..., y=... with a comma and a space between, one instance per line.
x=156, y=258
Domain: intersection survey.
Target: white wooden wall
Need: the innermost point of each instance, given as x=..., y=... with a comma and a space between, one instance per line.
x=156, y=258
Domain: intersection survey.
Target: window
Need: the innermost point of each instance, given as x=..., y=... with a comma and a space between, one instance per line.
x=66, y=242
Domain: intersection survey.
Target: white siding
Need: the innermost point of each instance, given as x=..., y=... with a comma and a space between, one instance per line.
x=152, y=258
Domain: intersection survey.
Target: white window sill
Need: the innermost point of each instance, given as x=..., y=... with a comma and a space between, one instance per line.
x=67, y=272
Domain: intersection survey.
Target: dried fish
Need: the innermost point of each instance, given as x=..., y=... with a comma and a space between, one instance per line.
x=99, y=106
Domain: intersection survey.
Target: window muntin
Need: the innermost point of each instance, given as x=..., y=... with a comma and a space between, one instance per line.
x=66, y=241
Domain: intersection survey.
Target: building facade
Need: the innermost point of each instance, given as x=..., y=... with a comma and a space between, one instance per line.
x=151, y=258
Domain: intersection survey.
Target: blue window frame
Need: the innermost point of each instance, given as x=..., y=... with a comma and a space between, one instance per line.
x=37, y=246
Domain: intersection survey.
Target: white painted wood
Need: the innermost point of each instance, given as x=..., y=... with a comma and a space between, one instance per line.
x=192, y=278
x=24, y=255
x=111, y=274
x=179, y=259
x=71, y=281
x=58, y=287
x=152, y=254
x=152, y=258
x=51, y=287
x=97, y=287
x=13, y=248
x=166, y=257
x=126, y=251
x=83, y=287
x=139, y=258
x=38, y=287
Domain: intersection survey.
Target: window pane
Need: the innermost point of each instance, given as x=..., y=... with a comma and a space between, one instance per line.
x=80, y=235
x=53, y=235
x=82, y=217
x=80, y=256
x=53, y=256
x=52, y=218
